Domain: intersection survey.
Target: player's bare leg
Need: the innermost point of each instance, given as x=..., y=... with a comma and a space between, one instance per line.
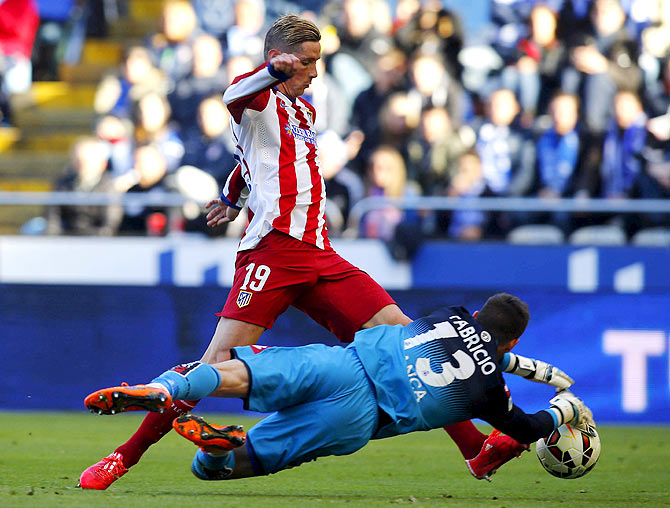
x=229, y=333
x=389, y=315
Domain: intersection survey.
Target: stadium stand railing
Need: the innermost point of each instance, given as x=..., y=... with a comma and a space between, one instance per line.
x=364, y=206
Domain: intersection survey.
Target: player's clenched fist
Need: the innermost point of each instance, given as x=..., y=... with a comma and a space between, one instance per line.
x=286, y=63
x=220, y=214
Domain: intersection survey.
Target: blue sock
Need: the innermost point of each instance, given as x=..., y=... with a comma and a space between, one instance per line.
x=211, y=467
x=190, y=381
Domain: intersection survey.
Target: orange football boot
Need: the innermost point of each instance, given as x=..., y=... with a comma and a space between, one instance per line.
x=210, y=438
x=119, y=399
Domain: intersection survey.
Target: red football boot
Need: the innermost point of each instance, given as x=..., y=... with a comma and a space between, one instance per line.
x=102, y=474
x=496, y=451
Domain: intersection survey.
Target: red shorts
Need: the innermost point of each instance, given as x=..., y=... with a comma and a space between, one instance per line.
x=283, y=271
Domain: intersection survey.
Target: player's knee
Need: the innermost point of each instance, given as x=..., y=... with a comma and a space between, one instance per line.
x=214, y=356
x=389, y=315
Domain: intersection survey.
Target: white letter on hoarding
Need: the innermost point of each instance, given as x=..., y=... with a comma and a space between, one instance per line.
x=634, y=346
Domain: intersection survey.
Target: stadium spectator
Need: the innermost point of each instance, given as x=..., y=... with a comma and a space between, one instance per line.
x=624, y=142
x=118, y=92
x=399, y=117
x=152, y=125
x=654, y=180
x=54, y=20
x=655, y=41
x=147, y=177
x=656, y=96
x=360, y=43
x=573, y=18
x=467, y=225
x=171, y=48
x=507, y=153
x=215, y=16
x=435, y=148
x=117, y=134
x=535, y=72
x=334, y=400
x=245, y=37
x=208, y=77
x=387, y=177
x=622, y=159
x=558, y=146
x=209, y=147
x=509, y=24
x=5, y=110
x=405, y=11
x=432, y=28
x=558, y=150
x=18, y=25
x=604, y=60
x=86, y=172
x=433, y=86
x=388, y=77
x=505, y=149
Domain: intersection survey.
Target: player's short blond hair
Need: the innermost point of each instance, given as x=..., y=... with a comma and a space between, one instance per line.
x=288, y=32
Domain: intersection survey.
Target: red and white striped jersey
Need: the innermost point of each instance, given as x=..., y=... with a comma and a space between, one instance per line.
x=278, y=161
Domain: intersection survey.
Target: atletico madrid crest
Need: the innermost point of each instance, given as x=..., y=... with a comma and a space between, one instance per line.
x=243, y=299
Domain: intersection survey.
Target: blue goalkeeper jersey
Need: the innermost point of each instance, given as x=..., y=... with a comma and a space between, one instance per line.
x=436, y=371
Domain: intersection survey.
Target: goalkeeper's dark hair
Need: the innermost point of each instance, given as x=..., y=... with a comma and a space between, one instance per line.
x=504, y=316
x=288, y=32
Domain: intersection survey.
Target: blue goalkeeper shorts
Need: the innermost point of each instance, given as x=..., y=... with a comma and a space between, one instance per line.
x=323, y=403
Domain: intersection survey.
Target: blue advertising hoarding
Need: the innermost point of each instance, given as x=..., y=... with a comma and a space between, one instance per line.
x=61, y=342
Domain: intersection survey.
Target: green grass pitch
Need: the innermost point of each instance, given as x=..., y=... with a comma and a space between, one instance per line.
x=42, y=455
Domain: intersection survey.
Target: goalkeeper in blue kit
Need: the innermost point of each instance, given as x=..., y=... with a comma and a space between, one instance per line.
x=332, y=400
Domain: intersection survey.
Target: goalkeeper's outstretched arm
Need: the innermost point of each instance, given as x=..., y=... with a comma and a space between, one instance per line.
x=565, y=407
x=536, y=370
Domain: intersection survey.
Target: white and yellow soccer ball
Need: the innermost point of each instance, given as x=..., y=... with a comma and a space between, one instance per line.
x=569, y=452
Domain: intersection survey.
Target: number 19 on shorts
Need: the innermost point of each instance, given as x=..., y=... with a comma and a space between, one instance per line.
x=256, y=277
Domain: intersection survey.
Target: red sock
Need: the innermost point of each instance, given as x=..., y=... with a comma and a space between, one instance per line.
x=153, y=428
x=466, y=436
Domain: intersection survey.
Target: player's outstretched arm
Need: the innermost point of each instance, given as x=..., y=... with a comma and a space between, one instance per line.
x=220, y=213
x=536, y=370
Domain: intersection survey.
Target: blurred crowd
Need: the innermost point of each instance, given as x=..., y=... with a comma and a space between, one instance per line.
x=557, y=98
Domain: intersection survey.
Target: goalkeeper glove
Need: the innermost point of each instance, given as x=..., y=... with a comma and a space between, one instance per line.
x=538, y=371
x=568, y=408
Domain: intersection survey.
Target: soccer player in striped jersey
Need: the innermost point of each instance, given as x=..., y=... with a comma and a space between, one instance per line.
x=284, y=257
x=391, y=380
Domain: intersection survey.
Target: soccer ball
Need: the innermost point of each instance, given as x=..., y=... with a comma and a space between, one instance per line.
x=569, y=452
